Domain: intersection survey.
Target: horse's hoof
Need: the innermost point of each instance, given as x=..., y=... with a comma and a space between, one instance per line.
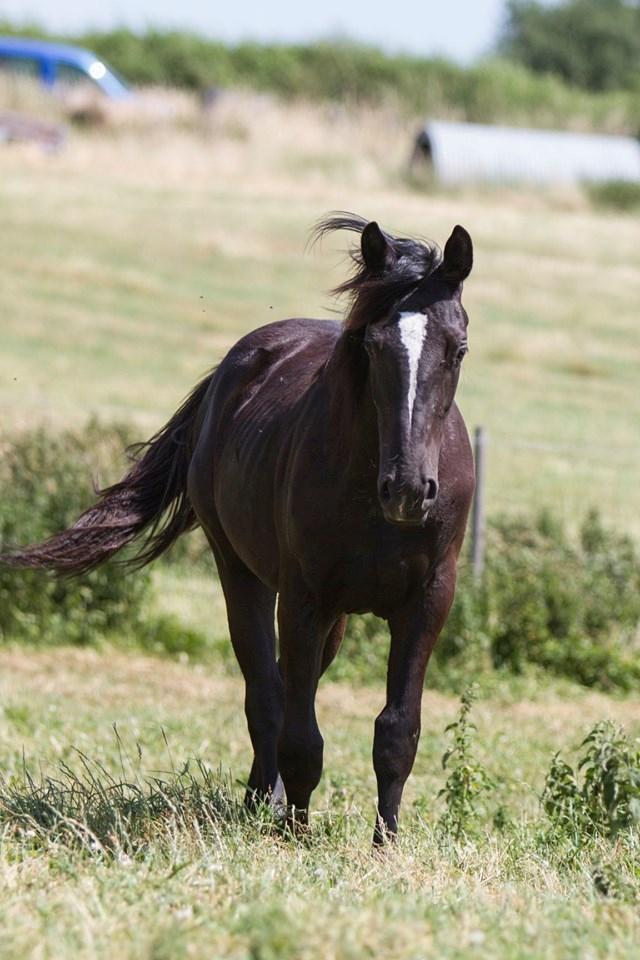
x=383, y=838
x=297, y=823
x=274, y=798
x=277, y=794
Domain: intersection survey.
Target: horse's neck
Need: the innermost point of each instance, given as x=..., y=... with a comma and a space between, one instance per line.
x=353, y=425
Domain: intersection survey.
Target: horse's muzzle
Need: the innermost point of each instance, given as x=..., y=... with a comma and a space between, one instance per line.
x=402, y=516
x=407, y=505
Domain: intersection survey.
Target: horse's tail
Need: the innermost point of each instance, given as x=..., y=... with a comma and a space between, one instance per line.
x=150, y=500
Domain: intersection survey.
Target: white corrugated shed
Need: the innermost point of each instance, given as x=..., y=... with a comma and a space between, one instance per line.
x=463, y=152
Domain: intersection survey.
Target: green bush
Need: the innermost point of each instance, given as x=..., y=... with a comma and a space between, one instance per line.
x=616, y=194
x=45, y=482
x=363, y=655
x=570, y=607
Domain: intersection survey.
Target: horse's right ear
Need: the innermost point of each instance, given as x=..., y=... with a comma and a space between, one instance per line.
x=375, y=247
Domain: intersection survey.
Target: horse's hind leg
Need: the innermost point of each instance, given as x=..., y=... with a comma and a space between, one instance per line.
x=250, y=610
x=303, y=638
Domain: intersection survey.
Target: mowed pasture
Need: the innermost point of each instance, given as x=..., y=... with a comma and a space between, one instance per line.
x=130, y=262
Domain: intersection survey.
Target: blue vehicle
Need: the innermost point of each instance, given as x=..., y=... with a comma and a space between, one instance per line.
x=57, y=65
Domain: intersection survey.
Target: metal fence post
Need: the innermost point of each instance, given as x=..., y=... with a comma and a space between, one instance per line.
x=478, y=514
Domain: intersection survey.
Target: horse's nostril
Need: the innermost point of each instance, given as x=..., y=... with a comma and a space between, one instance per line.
x=385, y=491
x=431, y=490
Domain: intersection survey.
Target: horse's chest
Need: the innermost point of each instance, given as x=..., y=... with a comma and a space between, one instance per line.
x=368, y=573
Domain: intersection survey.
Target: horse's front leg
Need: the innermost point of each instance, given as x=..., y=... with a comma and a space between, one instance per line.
x=250, y=611
x=414, y=631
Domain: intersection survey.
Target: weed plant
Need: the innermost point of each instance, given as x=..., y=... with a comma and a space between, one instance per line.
x=600, y=796
x=468, y=782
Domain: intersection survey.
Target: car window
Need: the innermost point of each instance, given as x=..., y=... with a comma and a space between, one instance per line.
x=69, y=76
x=20, y=66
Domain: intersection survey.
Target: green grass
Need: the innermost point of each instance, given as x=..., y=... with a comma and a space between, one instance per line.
x=184, y=873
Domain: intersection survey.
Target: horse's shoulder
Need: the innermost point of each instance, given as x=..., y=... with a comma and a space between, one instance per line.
x=273, y=365
x=286, y=336
x=457, y=472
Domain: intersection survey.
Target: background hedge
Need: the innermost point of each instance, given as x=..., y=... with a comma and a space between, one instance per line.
x=349, y=73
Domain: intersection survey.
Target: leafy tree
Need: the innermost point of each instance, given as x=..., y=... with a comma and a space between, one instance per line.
x=589, y=43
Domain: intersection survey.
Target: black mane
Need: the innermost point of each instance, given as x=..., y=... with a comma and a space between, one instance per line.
x=374, y=293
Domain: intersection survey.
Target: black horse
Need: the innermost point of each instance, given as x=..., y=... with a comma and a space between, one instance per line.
x=329, y=467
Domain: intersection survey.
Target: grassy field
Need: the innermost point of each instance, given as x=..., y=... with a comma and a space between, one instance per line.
x=132, y=261
x=225, y=886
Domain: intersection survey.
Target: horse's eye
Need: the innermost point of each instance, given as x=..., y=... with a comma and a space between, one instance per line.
x=460, y=355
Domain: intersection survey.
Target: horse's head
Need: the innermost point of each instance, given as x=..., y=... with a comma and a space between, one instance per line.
x=406, y=314
x=407, y=321
x=415, y=348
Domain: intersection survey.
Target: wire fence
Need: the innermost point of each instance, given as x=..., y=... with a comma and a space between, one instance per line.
x=550, y=446
x=569, y=477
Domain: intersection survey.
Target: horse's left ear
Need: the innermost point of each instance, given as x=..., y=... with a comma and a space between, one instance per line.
x=458, y=256
x=375, y=247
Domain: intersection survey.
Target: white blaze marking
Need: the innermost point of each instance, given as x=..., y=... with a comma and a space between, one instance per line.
x=413, y=332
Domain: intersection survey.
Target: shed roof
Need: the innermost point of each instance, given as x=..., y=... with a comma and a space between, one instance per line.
x=462, y=152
